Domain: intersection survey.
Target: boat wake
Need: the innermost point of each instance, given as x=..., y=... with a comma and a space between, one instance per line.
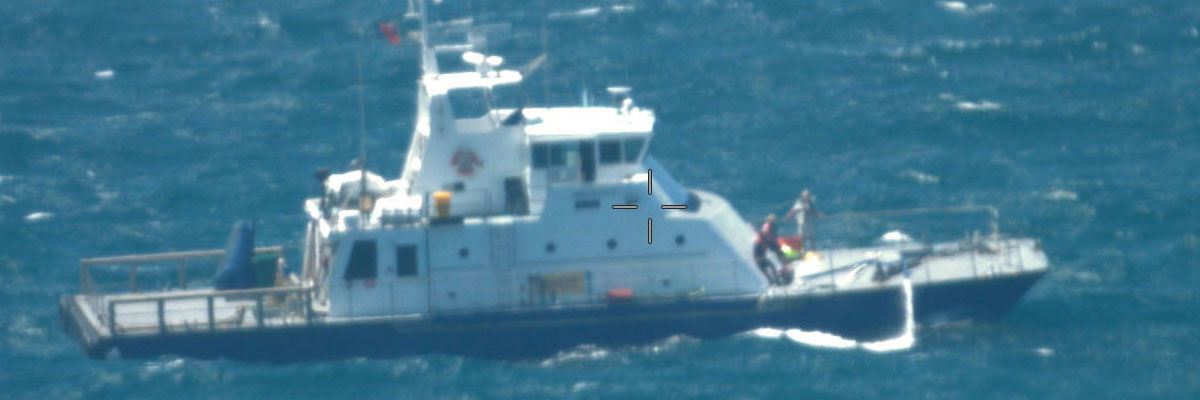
x=904, y=341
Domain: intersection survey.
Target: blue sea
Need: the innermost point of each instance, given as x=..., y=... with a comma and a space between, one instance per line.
x=152, y=125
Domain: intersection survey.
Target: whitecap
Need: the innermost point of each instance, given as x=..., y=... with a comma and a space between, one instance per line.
x=955, y=6
x=583, y=385
x=983, y=105
x=38, y=216
x=767, y=333
x=959, y=7
x=904, y=341
x=1044, y=351
x=583, y=352
x=580, y=13
x=1062, y=195
x=907, y=339
x=621, y=8
x=104, y=74
x=896, y=237
x=819, y=339
x=922, y=177
x=267, y=24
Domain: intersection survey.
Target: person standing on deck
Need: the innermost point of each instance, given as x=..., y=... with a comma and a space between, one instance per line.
x=768, y=240
x=806, y=213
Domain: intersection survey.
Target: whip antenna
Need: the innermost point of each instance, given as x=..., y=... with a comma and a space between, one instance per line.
x=365, y=202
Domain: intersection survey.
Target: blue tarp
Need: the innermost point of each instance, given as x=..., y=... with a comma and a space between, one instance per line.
x=236, y=271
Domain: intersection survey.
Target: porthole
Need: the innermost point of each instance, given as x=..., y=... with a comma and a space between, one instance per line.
x=612, y=244
x=680, y=240
x=463, y=252
x=550, y=247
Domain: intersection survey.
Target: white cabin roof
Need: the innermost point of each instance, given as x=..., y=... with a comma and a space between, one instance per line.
x=572, y=122
x=442, y=83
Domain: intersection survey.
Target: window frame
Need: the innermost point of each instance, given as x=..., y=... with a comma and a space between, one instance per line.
x=360, y=266
x=407, y=270
x=600, y=149
x=626, y=157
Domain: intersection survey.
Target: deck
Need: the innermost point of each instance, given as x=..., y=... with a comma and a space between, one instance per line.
x=973, y=258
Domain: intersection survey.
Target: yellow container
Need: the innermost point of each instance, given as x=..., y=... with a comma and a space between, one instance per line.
x=441, y=203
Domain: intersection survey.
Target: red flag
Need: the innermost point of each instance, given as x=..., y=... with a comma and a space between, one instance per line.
x=389, y=31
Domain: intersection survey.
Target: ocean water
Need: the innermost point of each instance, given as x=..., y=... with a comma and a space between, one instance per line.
x=137, y=126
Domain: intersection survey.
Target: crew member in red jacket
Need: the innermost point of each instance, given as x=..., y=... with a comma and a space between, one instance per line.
x=768, y=240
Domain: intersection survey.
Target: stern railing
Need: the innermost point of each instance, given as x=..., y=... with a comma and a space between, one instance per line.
x=207, y=311
x=137, y=262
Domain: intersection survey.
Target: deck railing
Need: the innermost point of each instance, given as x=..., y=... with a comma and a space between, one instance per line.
x=137, y=262
x=207, y=310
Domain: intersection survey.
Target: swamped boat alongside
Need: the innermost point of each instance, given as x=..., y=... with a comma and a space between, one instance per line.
x=519, y=232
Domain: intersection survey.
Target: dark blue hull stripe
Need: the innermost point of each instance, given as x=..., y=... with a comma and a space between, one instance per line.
x=863, y=315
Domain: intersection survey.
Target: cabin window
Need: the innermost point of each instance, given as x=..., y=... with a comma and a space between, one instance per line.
x=539, y=155
x=468, y=102
x=362, y=263
x=564, y=154
x=406, y=260
x=587, y=160
x=610, y=151
x=633, y=149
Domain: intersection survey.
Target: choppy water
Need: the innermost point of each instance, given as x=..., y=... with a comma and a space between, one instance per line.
x=135, y=125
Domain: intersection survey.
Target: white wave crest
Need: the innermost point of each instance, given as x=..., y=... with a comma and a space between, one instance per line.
x=959, y=7
x=983, y=105
x=904, y=341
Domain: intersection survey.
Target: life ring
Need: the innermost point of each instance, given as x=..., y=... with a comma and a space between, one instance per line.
x=465, y=161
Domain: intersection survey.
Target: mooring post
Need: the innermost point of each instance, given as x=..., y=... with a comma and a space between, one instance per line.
x=212, y=323
x=183, y=274
x=832, y=281
x=307, y=306
x=971, y=250
x=258, y=313
x=112, y=318
x=162, y=320
x=133, y=278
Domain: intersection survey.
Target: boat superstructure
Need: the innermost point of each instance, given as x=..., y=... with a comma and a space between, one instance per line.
x=518, y=231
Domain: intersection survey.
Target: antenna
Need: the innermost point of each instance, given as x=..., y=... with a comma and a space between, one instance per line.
x=545, y=51
x=365, y=202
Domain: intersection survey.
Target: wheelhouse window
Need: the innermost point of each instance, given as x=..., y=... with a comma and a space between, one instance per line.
x=468, y=102
x=406, y=261
x=610, y=151
x=633, y=149
x=539, y=155
x=362, y=263
x=564, y=154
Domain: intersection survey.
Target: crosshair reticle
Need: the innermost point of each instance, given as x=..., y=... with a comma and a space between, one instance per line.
x=649, y=192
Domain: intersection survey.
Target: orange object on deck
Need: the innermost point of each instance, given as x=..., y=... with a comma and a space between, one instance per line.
x=794, y=241
x=441, y=202
x=620, y=295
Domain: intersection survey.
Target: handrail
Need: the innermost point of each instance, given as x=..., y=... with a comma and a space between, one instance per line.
x=210, y=293
x=993, y=225
x=169, y=256
x=160, y=299
x=132, y=262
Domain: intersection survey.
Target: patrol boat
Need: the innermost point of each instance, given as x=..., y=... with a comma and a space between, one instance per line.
x=514, y=233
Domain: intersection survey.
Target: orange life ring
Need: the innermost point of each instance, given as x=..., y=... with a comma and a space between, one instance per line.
x=465, y=161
